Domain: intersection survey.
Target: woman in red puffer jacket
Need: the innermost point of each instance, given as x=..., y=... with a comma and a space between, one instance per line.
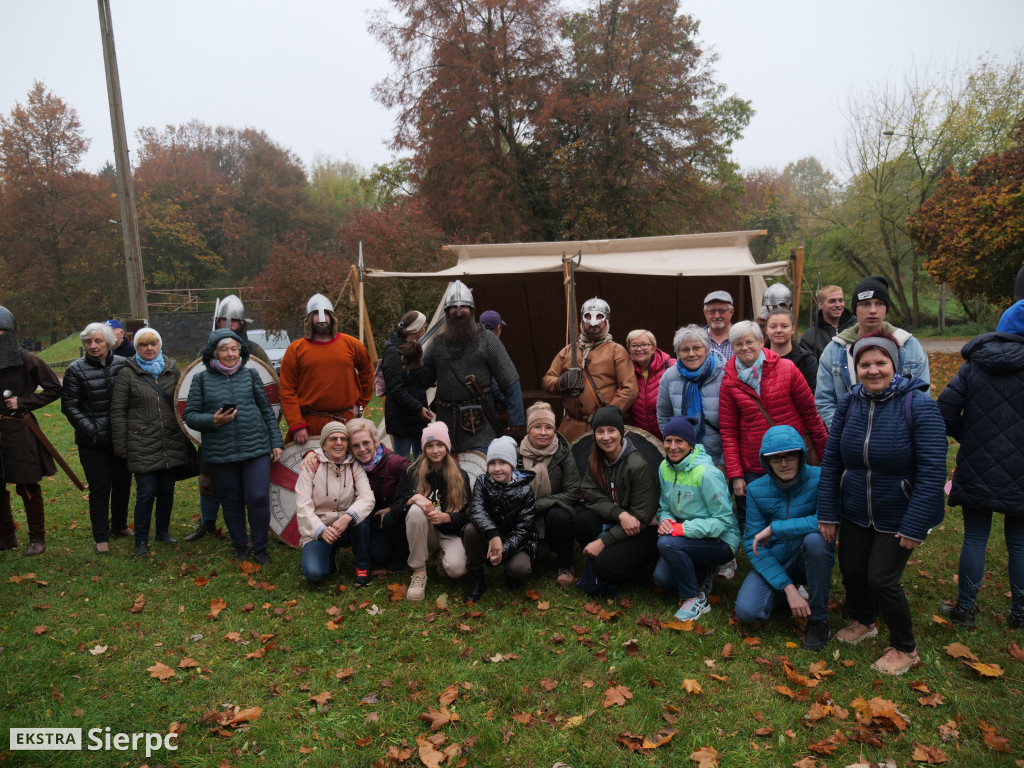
x=650, y=364
x=758, y=378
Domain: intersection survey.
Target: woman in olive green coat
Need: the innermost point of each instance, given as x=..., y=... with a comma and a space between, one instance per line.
x=146, y=433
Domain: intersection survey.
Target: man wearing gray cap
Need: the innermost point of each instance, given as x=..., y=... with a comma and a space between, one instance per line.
x=718, y=309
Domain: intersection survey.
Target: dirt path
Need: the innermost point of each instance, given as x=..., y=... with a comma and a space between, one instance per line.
x=942, y=345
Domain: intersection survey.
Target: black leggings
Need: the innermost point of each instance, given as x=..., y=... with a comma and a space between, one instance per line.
x=872, y=565
x=623, y=561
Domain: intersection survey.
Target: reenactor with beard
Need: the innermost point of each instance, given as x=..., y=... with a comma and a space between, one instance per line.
x=463, y=361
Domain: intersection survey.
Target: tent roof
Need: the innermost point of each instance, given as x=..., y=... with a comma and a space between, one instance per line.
x=717, y=254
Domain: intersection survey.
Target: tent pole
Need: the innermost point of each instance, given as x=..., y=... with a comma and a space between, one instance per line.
x=798, y=281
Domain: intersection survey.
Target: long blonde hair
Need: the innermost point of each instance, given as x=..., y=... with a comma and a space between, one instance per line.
x=455, y=489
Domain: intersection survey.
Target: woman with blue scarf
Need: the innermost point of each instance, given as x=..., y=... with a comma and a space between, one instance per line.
x=882, y=485
x=690, y=388
x=145, y=431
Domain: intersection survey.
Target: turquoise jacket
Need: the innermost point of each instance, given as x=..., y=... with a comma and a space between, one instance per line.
x=694, y=493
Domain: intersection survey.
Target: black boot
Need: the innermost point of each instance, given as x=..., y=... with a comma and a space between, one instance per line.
x=201, y=530
x=476, y=588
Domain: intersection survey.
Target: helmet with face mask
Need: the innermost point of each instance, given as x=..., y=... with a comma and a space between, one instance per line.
x=321, y=305
x=229, y=308
x=10, y=355
x=777, y=296
x=595, y=311
x=458, y=295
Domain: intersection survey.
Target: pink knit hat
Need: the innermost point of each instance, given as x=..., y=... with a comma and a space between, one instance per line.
x=436, y=430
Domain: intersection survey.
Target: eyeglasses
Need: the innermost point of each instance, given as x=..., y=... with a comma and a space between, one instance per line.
x=744, y=343
x=709, y=311
x=784, y=458
x=689, y=350
x=639, y=347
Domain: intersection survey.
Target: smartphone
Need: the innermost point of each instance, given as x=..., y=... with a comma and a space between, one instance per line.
x=228, y=407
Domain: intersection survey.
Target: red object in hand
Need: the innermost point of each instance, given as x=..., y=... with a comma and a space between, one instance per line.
x=677, y=529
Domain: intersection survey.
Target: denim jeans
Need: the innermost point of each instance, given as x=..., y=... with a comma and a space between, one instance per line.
x=872, y=565
x=685, y=563
x=110, y=485
x=407, y=445
x=811, y=565
x=244, y=487
x=149, y=487
x=319, y=557
x=977, y=525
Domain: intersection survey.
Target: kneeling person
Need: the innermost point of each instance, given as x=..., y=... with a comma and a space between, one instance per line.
x=782, y=540
x=501, y=525
x=334, y=501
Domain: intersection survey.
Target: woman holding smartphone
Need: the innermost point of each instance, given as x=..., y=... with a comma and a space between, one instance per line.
x=228, y=404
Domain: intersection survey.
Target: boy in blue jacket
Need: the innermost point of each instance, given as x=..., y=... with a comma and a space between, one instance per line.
x=782, y=540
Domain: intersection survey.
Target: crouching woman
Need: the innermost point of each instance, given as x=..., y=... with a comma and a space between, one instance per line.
x=333, y=505
x=782, y=540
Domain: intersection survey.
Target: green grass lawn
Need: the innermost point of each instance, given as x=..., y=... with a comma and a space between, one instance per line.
x=351, y=677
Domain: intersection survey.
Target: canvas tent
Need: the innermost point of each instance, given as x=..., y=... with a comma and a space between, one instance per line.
x=657, y=283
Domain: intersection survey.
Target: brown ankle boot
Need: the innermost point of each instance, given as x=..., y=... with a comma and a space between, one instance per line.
x=36, y=547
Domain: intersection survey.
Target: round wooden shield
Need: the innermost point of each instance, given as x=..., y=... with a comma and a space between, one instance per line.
x=646, y=444
x=267, y=375
x=283, y=474
x=474, y=463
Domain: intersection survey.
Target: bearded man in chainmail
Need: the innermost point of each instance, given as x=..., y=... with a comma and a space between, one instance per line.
x=463, y=361
x=600, y=374
x=23, y=460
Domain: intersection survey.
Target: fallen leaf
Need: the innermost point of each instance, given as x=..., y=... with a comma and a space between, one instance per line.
x=365, y=741
x=96, y=651
x=397, y=592
x=796, y=677
x=660, y=739
x=985, y=670
x=1016, y=651
x=692, y=686
x=250, y=715
x=950, y=731
x=246, y=568
x=449, y=694
x=187, y=663
x=960, y=651
x=943, y=622
x=930, y=755
x=930, y=701
x=532, y=594
x=576, y=720
x=232, y=637
x=879, y=713
x=160, y=671
x=216, y=606
x=784, y=691
x=726, y=651
x=993, y=740
x=765, y=731
x=705, y=757
x=616, y=696
x=543, y=605
x=201, y=581
x=138, y=605
x=920, y=686
x=321, y=698
x=438, y=718
x=548, y=684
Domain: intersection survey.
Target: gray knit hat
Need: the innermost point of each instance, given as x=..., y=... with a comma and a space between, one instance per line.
x=329, y=429
x=503, y=449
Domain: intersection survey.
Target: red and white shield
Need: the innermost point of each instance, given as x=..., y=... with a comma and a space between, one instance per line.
x=283, y=474
x=267, y=375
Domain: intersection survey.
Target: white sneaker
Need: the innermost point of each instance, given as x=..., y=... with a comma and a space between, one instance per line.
x=417, y=587
x=728, y=570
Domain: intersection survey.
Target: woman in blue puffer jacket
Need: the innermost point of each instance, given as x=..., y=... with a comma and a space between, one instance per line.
x=882, y=477
x=238, y=441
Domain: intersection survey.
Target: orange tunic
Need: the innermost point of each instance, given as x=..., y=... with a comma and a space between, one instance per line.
x=330, y=377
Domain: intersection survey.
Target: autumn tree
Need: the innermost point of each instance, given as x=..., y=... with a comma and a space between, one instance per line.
x=900, y=142
x=469, y=83
x=639, y=130
x=970, y=230
x=60, y=264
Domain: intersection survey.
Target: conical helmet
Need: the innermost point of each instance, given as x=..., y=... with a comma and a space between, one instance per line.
x=321, y=305
x=777, y=296
x=458, y=295
x=7, y=320
x=230, y=308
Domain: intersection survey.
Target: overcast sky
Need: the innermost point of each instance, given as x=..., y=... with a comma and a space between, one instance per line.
x=302, y=70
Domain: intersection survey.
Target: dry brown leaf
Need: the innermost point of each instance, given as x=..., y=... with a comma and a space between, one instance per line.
x=820, y=669
x=726, y=650
x=943, y=622
x=692, y=686
x=187, y=663
x=705, y=757
x=960, y=651
x=321, y=698
x=921, y=687
x=216, y=606
x=806, y=762
x=397, y=592
x=993, y=739
x=818, y=711
x=985, y=670
x=930, y=701
x=39, y=629
x=543, y=605
x=201, y=581
x=660, y=739
x=678, y=626
x=365, y=741
x=232, y=637
x=532, y=594
x=879, y=713
x=98, y=649
x=160, y=671
x=138, y=605
x=523, y=718
x=930, y=755
x=797, y=678
x=249, y=715
x=719, y=678
x=1016, y=651
x=784, y=691
x=548, y=684
x=439, y=718
x=616, y=696
x=765, y=731
x=246, y=568
x=449, y=694
x=950, y=731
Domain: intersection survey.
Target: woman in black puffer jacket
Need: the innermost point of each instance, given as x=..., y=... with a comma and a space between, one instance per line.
x=146, y=433
x=405, y=406
x=85, y=401
x=238, y=441
x=983, y=408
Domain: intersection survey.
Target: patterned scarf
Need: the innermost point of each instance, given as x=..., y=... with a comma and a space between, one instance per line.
x=886, y=393
x=691, y=406
x=218, y=366
x=751, y=376
x=153, y=367
x=375, y=460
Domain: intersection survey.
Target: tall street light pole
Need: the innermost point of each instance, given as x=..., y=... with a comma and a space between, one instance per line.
x=126, y=189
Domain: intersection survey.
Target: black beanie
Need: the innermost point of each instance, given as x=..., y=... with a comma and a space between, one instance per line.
x=609, y=416
x=874, y=287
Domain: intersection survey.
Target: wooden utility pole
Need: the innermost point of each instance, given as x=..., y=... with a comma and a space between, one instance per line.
x=125, y=189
